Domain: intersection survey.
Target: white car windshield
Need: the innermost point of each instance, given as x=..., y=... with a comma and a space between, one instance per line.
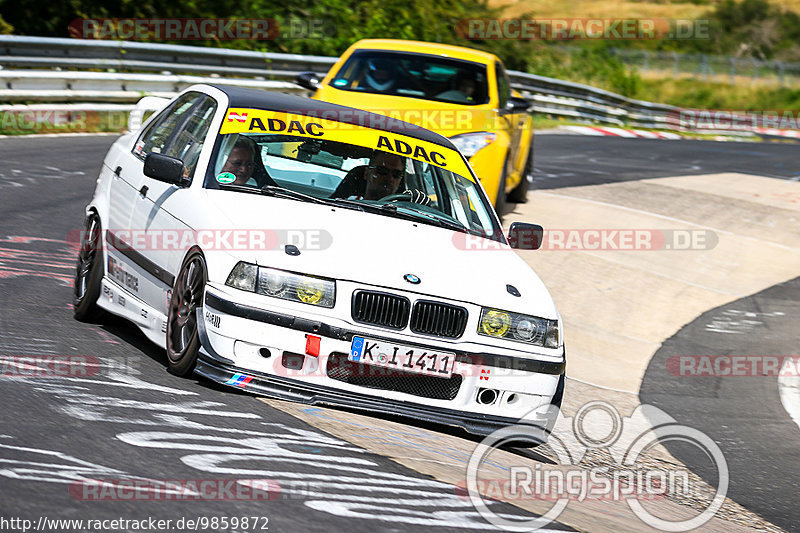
x=354, y=176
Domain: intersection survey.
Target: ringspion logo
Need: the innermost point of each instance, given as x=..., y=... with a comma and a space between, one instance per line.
x=627, y=477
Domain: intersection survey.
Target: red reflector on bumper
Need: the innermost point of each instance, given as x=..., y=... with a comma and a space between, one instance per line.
x=312, y=345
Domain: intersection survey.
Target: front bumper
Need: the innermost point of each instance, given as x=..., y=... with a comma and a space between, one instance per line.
x=262, y=351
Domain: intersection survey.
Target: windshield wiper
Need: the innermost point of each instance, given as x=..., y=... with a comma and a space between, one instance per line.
x=283, y=192
x=357, y=204
x=441, y=222
x=275, y=190
x=408, y=214
x=350, y=204
x=455, y=226
x=270, y=190
x=240, y=188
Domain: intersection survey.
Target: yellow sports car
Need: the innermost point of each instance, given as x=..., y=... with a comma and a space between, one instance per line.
x=461, y=93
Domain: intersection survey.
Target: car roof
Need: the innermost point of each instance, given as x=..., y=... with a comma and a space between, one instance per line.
x=288, y=103
x=421, y=47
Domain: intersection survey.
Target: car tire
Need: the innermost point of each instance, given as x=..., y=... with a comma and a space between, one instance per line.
x=88, y=272
x=519, y=195
x=183, y=339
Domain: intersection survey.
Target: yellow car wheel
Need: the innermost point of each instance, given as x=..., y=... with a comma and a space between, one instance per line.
x=500, y=199
x=519, y=195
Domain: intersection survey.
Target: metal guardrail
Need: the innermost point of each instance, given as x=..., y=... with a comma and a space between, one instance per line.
x=38, y=69
x=70, y=86
x=556, y=97
x=42, y=52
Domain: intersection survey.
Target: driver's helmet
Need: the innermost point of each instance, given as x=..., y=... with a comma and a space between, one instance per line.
x=380, y=74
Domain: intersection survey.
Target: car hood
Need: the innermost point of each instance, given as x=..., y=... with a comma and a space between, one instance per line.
x=445, y=118
x=380, y=250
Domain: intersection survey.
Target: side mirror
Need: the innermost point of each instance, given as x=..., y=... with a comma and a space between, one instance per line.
x=524, y=236
x=307, y=80
x=164, y=168
x=516, y=104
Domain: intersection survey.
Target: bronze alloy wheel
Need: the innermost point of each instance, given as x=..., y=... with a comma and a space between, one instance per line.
x=183, y=340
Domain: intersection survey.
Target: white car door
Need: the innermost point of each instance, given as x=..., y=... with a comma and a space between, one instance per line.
x=125, y=166
x=158, y=207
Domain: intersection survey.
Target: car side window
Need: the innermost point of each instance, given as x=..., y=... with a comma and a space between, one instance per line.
x=503, y=86
x=187, y=143
x=158, y=133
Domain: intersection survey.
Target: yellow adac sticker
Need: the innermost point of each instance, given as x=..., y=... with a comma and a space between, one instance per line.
x=244, y=120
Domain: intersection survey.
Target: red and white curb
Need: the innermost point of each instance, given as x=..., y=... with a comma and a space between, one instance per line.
x=619, y=132
x=795, y=134
x=724, y=135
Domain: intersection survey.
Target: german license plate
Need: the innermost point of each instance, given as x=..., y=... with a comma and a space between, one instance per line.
x=403, y=358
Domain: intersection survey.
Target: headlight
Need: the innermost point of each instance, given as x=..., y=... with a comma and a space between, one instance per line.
x=517, y=327
x=470, y=144
x=285, y=285
x=243, y=276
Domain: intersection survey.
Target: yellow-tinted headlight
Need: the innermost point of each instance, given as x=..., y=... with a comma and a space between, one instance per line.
x=295, y=287
x=310, y=292
x=520, y=328
x=495, y=323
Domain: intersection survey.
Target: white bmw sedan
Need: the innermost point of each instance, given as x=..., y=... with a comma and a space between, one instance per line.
x=320, y=254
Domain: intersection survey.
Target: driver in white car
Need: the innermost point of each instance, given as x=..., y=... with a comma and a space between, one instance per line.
x=383, y=175
x=381, y=178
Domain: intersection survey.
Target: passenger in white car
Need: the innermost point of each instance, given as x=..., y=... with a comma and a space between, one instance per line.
x=241, y=161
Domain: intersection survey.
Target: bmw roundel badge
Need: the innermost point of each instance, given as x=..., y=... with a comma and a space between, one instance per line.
x=411, y=278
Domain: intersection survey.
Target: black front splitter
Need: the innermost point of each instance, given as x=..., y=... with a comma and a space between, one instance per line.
x=290, y=390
